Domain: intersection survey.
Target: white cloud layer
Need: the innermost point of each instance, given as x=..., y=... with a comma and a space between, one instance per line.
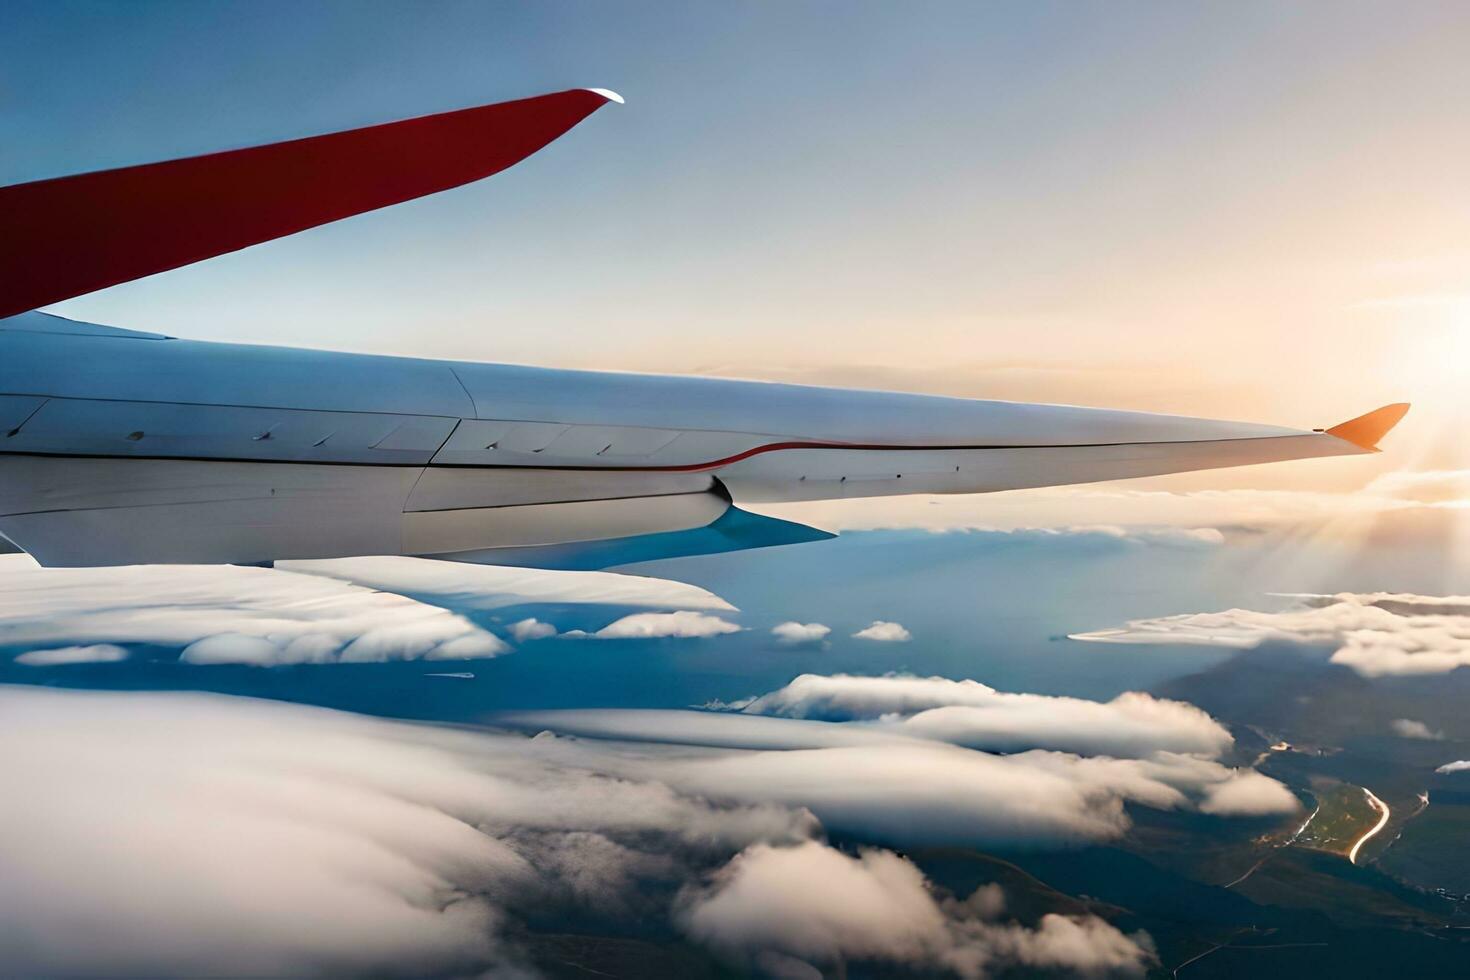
x=878, y=782
x=1459, y=765
x=1441, y=487
x=969, y=713
x=684, y=623
x=97, y=653
x=1376, y=634
x=1142, y=516
x=226, y=614
x=463, y=585
x=882, y=631
x=167, y=834
x=794, y=633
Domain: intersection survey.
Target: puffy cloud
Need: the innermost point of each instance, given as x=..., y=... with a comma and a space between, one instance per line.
x=238, y=648
x=883, y=632
x=815, y=903
x=1084, y=945
x=969, y=713
x=389, y=848
x=1131, y=724
x=1169, y=780
x=221, y=614
x=848, y=697
x=97, y=653
x=684, y=623
x=531, y=629
x=879, y=784
x=1376, y=634
x=1409, y=728
x=464, y=585
x=1247, y=794
x=794, y=633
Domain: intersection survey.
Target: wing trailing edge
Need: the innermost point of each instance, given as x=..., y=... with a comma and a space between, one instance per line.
x=67, y=236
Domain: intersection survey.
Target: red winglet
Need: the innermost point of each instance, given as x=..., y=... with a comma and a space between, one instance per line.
x=71, y=235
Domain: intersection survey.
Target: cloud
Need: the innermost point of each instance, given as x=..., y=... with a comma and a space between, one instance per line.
x=715, y=704
x=1423, y=486
x=381, y=848
x=684, y=623
x=1376, y=634
x=928, y=793
x=969, y=713
x=1146, y=518
x=883, y=632
x=465, y=585
x=1184, y=537
x=1247, y=794
x=848, y=697
x=793, y=633
x=226, y=614
x=287, y=840
x=1409, y=728
x=1458, y=766
x=1083, y=945
x=817, y=904
x=1132, y=724
x=531, y=629
x=880, y=784
x=702, y=728
x=1132, y=516
x=97, y=653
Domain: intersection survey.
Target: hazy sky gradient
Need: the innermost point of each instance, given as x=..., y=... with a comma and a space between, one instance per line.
x=1251, y=210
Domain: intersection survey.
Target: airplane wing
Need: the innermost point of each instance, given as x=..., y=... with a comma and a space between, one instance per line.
x=122, y=447
x=129, y=447
x=67, y=236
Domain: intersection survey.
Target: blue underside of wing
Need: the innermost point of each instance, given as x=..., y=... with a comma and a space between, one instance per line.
x=734, y=530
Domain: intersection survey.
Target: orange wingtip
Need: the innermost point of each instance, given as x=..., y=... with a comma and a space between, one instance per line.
x=1365, y=430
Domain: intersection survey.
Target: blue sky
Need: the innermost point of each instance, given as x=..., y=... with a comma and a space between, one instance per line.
x=1263, y=202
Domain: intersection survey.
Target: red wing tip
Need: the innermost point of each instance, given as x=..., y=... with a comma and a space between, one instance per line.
x=1365, y=430
x=606, y=93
